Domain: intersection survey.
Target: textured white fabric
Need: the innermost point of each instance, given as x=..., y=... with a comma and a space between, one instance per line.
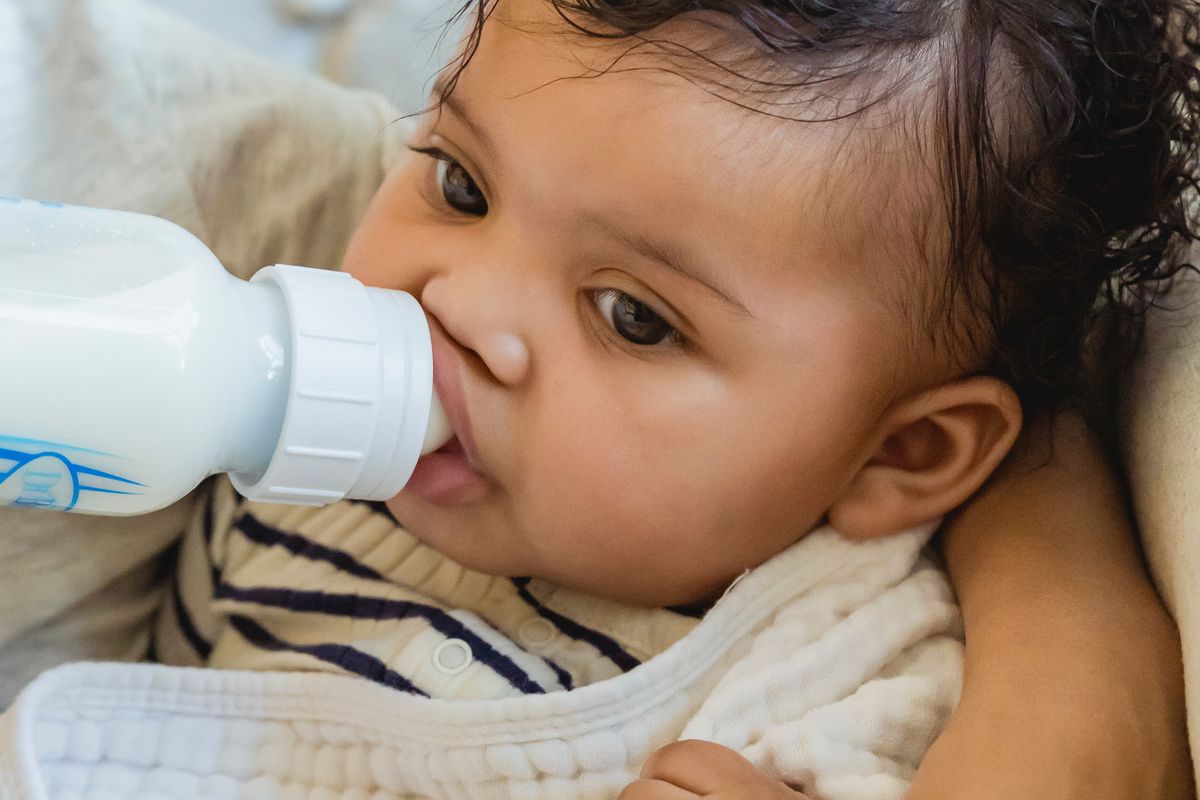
x=112, y=104
x=833, y=666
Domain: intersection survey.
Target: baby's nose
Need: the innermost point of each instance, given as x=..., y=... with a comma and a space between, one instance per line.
x=507, y=357
x=478, y=322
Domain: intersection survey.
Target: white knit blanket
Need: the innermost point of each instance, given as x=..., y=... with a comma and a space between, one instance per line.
x=833, y=667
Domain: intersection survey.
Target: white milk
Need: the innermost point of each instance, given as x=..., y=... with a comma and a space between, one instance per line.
x=133, y=366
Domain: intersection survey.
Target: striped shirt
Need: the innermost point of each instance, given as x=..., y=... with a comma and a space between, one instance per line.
x=343, y=588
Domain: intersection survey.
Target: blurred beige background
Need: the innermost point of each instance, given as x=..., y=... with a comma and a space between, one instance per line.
x=389, y=46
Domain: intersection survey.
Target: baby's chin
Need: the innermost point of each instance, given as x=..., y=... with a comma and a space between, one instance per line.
x=483, y=538
x=462, y=534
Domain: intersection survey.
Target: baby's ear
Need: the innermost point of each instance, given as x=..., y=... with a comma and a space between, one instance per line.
x=937, y=448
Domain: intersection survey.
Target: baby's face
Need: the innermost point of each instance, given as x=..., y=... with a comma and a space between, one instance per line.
x=660, y=352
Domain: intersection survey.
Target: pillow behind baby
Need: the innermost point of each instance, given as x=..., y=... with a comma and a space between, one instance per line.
x=114, y=104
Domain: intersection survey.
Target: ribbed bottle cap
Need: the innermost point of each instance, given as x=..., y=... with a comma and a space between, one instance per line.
x=360, y=395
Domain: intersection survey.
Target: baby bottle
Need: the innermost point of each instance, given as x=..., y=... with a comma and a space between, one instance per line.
x=132, y=366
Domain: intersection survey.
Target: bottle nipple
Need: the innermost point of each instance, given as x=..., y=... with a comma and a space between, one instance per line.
x=438, y=430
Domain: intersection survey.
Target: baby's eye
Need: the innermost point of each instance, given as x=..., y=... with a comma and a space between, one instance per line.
x=633, y=320
x=458, y=187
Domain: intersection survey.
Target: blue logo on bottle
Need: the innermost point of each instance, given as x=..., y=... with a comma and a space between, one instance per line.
x=50, y=475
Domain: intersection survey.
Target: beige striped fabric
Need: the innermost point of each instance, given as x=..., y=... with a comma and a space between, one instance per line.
x=343, y=588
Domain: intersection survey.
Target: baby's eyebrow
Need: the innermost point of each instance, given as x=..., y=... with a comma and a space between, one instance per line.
x=674, y=259
x=665, y=253
x=461, y=109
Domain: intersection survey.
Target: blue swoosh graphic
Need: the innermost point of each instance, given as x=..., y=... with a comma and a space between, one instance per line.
x=75, y=471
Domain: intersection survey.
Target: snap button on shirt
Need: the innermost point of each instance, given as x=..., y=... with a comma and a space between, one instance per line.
x=452, y=656
x=536, y=631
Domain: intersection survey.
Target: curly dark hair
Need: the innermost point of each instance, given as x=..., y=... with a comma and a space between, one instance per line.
x=1068, y=145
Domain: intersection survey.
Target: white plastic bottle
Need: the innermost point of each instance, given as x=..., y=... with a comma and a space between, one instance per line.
x=132, y=366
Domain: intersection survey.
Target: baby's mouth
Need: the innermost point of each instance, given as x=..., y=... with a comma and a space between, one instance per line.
x=445, y=478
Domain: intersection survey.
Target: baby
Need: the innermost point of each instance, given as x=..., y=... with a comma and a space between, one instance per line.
x=730, y=304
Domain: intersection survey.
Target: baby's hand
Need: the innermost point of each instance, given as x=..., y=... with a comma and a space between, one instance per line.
x=695, y=769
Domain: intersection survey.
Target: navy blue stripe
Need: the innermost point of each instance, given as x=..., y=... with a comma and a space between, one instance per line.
x=356, y=606
x=198, y=642
x=213, y=572
x=340, y=655
x=258, y=531
x=607, y=646
x=564, y=677
x=378, y=506
x=152, y=653
x=695, y=611
x=209, y=499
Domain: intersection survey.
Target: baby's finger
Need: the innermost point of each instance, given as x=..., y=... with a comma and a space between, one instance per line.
x=648, y=789
x=700, y=767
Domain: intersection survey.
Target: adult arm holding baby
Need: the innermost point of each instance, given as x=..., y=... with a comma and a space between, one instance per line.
x=1073, y=685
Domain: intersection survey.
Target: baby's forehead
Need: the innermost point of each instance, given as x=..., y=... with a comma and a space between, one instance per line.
x=856, y=145
x=858, y=193
x=769, y=188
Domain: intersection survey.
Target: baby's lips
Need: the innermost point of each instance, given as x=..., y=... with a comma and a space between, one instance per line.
x=437, y=430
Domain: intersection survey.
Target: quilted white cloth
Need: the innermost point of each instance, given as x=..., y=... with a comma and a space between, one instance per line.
x=833, y=666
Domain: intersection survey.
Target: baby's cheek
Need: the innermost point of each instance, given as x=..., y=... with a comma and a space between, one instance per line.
x=635, y=542
x=386, y=236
